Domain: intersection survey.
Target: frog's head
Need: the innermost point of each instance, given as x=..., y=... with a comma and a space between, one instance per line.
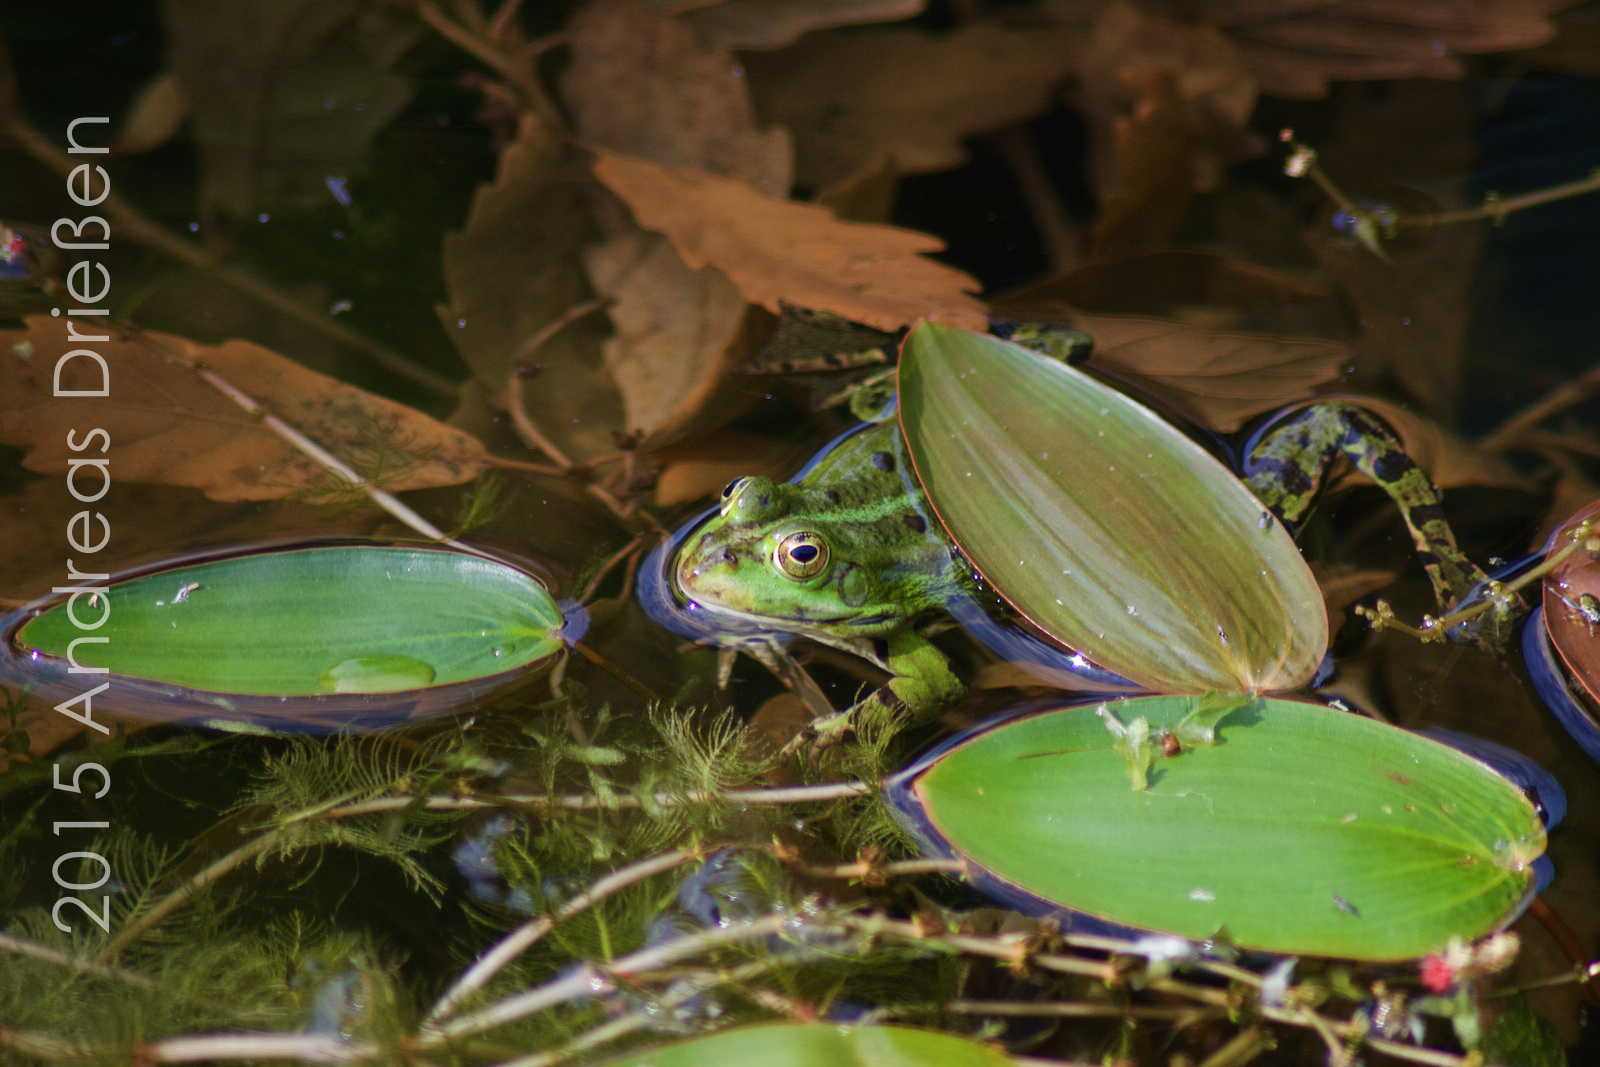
x=780, y=554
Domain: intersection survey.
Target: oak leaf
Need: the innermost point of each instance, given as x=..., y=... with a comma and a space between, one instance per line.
x=1218, y=379
x=514, y=269
x=168, y=426
x=1295, y=50
x=644, y=84
x=1171, y=282
x=767, y=24
x=779, y=251
x=851, y=97
x=283, y=93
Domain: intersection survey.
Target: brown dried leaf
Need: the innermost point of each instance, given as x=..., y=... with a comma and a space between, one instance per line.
x=703, y=466
x=1206, y=65
x=1171, y=102
x=678, y=333
x=1170, y=282
x=1159, y=150
x=156, y=115
x=172, y=428
x=1296, y=49
x=644, y=84
x=768, y=24
x=1576, y=47
x=513, y=270
x=779, y=251
x=1449, y=460
x=852, y=97
x=866, y=195
x=1219, y=380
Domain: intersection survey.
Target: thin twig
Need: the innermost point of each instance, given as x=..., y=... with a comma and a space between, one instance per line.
x=800, y=794
x=524, y=465
x=23, y=947
x=133, y=930
x=131, y=221
x=1070, y=1009
x=616, y=557
x=1570, y=943
x=1497, y=209
x=530, y=933
x=590, y=979
x=517, y=68
x=526, y=428
x=381, y=497
x=651, y=1016
x=1509, y=433
x=1017, y=148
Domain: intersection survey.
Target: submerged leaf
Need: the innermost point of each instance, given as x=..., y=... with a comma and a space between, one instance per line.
x=678, y=333
x=285, y=94
x=1104, y=525
x=853, y=97
x=644, y=84
x=779, y=251
x=1306, y=830
x=514, y=269
x=1218, y=379
x=1170, y=283
x=766, y=24
x=171, y=427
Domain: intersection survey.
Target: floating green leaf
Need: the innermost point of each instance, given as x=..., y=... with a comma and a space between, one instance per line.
x=308, y=621
x=1104, y=525
x=1304, y=830
x=821, y=1045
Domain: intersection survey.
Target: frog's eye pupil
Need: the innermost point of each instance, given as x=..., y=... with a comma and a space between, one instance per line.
x=801, y=555
x=728, y=491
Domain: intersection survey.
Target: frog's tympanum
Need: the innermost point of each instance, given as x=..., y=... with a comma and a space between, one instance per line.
x=849, y=554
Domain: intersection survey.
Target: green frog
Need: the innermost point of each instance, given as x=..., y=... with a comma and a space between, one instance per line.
x=849, y=553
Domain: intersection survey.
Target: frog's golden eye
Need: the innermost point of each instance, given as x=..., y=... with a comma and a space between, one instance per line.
x=801, y=555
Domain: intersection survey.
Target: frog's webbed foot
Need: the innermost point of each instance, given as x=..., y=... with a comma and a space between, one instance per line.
x=921, y=685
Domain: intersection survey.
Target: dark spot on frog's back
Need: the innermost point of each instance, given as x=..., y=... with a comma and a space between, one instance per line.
x=883, y=461
x=915, y=523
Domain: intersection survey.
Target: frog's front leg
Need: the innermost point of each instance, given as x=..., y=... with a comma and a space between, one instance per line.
x=1289, y=461
x=921, y=685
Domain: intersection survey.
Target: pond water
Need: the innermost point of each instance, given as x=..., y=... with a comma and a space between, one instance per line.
x=493, y=262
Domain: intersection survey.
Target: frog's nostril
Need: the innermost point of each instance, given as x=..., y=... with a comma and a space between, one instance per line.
x=729, y=558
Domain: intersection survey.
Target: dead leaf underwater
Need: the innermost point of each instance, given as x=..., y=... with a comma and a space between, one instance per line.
x=168, y=426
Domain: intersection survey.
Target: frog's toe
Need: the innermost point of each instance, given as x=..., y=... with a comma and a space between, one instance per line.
x=821, y=734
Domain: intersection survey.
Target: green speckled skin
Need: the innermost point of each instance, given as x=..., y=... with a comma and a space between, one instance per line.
x=887, y=563
x=1286, y=471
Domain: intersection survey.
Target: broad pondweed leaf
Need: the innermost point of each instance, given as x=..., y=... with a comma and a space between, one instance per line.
x=1567, y=626
x=1568, y=700
x=1302, y=830
x=820, y=1045
x=323, y=635
x=1102, y=524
